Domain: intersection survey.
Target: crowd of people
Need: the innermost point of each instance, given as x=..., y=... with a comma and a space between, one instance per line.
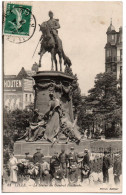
x=61, y=169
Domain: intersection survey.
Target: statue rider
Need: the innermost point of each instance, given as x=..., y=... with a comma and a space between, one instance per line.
x=53, y=25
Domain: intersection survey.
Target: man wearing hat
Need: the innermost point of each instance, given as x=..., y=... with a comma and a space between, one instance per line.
x=37, y=157
x=85, y=166
x=63, y=161
x=86, y=159
x=117, y=168
x=72, y=157
x=105, y=167
x=54, y=163
x=54, y=26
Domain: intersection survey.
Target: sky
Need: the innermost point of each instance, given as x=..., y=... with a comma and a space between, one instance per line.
x=83, y=34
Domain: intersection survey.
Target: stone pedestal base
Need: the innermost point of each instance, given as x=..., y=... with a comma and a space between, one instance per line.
x=21, y=147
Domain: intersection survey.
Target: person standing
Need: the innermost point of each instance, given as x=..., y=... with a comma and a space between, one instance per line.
x=54, y=163
x=13, y=168
x=86, y=159
x=72, y=157
x=105, y=167
x=63, y=161
x=117, y=168
x=37, y=157
x=45, y=177
x=85, y=166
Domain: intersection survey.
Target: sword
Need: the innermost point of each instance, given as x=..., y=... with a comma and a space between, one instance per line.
x=35, y=49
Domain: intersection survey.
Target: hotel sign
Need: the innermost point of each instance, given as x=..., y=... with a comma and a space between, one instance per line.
x=12, y=85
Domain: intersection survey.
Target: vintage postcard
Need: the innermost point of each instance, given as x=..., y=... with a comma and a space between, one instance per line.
x=62, y=96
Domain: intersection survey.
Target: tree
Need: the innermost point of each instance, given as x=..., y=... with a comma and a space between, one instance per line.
x=106, y=102
x=15, y=123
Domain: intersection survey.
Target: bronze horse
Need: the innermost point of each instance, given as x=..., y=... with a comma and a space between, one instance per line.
x=49, y=44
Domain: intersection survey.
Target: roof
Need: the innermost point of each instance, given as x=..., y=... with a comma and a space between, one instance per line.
x=25, y=73
x=111, y=28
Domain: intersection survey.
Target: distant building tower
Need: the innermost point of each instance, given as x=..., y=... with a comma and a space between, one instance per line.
x=113, y=51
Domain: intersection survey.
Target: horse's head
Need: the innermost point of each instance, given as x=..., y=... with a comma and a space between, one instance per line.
x=43, y=26
x=45, y=30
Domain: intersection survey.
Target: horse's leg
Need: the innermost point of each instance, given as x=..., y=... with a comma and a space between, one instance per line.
x=55, y=62
x=41, y=54
x=60, y=60
x=52, y=58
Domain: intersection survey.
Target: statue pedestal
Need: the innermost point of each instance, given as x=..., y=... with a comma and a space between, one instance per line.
x=21, y=147
x=46, y=83
x=59, y=84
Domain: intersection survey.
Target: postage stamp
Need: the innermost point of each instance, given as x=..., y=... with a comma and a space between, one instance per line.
x=17, y=20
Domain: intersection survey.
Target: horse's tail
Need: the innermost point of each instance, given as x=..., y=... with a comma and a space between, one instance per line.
x=67, y=61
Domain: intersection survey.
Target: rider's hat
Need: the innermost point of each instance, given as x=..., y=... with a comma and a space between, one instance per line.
x=50, y=12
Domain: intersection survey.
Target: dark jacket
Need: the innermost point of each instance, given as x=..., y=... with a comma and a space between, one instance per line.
x=72, y=158
x=106, y=163
x=117, y=167
x=63, y=158
x=86, y=160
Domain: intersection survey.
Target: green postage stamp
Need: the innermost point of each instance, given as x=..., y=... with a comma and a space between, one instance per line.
x=17, y=19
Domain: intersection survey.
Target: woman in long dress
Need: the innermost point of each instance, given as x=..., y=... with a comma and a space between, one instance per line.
x=13, y=168
x=53, y=125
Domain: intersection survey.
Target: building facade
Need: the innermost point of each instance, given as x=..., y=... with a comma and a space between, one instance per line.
x=18, y=90
x=113, y=51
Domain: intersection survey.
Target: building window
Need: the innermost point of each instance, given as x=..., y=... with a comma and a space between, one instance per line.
x=108, y=68
x=26, y=97
x=121, y=70
x=30, y=97
x=108, y=53
x=121, y=54
x=114, y=68
x=113, y=37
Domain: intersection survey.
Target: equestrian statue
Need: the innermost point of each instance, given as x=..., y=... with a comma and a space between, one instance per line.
x=51, y=42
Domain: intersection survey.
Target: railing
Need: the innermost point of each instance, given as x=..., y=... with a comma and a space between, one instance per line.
x=111, y=59
x=97, y=161
x=114, y=59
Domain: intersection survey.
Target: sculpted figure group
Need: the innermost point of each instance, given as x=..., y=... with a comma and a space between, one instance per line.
x=54, y=123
